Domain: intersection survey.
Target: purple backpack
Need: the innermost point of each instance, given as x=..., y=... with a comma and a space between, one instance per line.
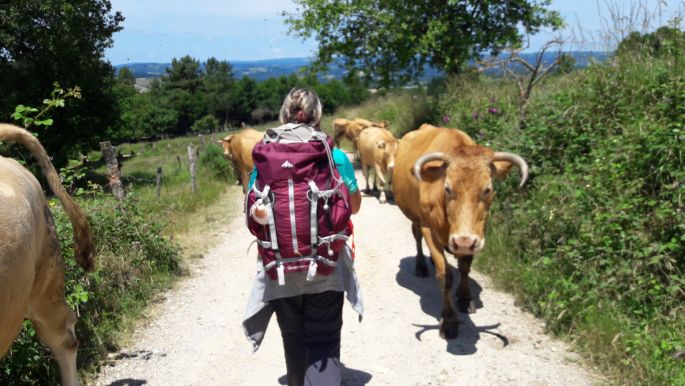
x=306, y=201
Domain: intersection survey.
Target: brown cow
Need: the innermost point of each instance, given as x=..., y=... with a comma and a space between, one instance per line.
x=350, y=129
x=238, y=148
x=31, y=264
x=377, y=148
x=442, y=182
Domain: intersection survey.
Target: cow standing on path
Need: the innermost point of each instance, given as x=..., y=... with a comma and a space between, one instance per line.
x=238, y=148
x=31, y=264
x=442, y=182
x=377, y=148
x=350, y=130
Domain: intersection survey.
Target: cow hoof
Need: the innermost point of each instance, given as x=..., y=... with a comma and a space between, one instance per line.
x=421, y=271
x=466, y=306
x=383, y=200
x=449, y=330
x=367, y=192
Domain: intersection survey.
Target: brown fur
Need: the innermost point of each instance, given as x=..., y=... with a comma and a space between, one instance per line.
x=31, y=265
x=238, y=148
x=350, y=129
x=443, y=216
x=377, y=148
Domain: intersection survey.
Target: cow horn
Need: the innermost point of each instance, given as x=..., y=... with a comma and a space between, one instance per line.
x=426, y=158
x=516, y=160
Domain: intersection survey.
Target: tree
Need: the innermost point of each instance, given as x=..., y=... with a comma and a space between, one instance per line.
x=43, y=41
x=392, y=40
x=181, y=90
x=529, y=74
x=218, y=86
x=126, y=76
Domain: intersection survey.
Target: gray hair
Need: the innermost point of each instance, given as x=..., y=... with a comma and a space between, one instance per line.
x=297, y=100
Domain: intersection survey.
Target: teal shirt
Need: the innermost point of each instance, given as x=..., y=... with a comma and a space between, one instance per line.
x=342, y=163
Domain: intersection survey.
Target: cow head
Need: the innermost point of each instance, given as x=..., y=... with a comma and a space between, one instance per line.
x=226, y=144
x=389, y=150
x=461, y=184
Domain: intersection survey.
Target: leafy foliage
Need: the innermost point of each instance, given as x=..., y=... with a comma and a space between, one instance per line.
x=595, y=243
x=56, y=40
x=391, y=41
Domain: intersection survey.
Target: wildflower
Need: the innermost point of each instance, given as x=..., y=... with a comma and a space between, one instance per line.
x=493, y=110
x=446, y=118
x=474, y=115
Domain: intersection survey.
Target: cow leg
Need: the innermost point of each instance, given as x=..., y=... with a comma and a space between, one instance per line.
x=384, y=185
x=54, y=322
x=365, y=172
x=244, y=180
x=449, y=325
x=465, y=302
x=420, y=269
x=236, y=173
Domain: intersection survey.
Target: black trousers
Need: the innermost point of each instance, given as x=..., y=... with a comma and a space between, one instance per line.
x=310, y=326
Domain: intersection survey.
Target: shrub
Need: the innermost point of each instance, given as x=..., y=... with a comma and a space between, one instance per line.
x=212, y=159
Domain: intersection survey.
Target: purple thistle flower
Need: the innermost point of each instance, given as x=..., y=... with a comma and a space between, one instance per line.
x=493, y=110
x=474, y=115
x=446, y=118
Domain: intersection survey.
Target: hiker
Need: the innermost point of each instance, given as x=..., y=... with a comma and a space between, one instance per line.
x=300, y=197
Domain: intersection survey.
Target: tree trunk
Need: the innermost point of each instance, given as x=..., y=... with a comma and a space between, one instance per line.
x=113, y=172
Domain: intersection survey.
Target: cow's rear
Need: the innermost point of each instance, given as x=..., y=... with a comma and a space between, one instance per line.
x=31, y=264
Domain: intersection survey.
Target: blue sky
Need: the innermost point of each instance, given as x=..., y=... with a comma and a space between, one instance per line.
x=159, y=30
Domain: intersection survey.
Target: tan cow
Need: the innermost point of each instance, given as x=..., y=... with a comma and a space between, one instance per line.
x=238, y=148
x=350, y=130
x=442, y=182
x=31, y=264
x=377, y=148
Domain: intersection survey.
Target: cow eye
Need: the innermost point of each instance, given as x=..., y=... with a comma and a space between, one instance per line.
x=487, y=191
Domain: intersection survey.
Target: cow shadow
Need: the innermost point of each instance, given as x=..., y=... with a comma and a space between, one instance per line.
x=430, y=299
x=129, y=382
x=350, y=377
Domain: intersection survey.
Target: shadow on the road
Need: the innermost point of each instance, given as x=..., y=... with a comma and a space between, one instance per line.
x=128, y=382
x=350, y=377
x=430, y=299
x=142, y=354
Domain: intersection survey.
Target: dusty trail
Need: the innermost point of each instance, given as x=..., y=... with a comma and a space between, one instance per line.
x=195, y=337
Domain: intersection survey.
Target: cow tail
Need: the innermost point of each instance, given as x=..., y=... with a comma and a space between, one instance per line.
x=83, y=239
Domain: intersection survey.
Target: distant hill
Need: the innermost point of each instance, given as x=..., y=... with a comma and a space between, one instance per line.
x=264, y=69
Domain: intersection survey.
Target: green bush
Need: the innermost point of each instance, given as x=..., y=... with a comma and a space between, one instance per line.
x=596, y=243
x=206, y=124
x=133, y=262
x=212, y=159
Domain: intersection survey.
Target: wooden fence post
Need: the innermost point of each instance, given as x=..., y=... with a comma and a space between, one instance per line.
x=178, y=158
x=113, y=173
x=159, y=180
x=192, y=158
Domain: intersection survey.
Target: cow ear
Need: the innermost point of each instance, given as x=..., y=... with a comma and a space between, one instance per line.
x=500, y=169
x=433, y=170
x=380, y=144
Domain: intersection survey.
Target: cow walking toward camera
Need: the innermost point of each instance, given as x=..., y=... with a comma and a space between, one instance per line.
x=443, y=182
x=238, y=149
x=31, y=264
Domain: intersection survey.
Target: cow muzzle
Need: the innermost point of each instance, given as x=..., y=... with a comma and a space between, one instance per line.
x=465, y=244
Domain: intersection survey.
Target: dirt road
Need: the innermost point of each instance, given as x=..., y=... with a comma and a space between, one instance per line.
x=195, y=337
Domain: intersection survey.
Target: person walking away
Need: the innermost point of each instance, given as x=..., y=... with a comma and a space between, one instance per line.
x=300, y=199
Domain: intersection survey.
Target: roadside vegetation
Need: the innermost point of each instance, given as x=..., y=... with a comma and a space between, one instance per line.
x=595, y=242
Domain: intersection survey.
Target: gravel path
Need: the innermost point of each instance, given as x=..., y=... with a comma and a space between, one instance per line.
x=195, y=336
